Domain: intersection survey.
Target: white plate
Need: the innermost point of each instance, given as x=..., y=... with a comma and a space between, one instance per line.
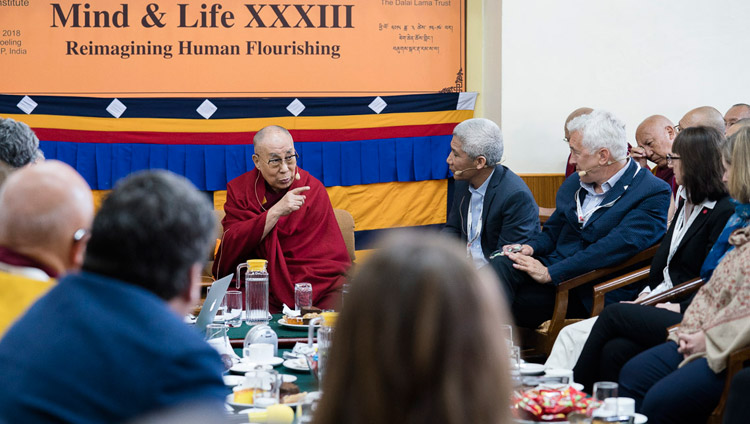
x=529, y=368
x=640, y=418
x=299, y=364
x=233, y=380
x=246, y=407
x=245, y=366
x=282, y=322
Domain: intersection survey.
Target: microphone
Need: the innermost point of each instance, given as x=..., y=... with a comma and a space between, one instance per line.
x=585, y=172
x=461, y=171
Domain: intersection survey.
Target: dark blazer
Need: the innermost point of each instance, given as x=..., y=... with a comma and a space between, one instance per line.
x=636, y=221
x=694, y=246
x=509, y=212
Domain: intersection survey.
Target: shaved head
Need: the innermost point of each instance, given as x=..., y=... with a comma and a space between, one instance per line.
x=704, y=116
x=575, y=114
x=655, y=136
x=271, y=132
x=41, y=208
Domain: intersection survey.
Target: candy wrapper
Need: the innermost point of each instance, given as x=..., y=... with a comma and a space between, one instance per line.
x=549, y=405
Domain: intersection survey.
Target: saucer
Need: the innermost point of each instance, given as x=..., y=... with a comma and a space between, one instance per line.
x=244, y=365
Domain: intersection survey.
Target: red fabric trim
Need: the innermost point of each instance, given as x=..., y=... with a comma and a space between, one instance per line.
x=13, y=258
x=305, y=246
x=228, y=138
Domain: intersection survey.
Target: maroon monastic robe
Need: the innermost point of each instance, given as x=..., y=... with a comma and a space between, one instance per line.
x=304, y=246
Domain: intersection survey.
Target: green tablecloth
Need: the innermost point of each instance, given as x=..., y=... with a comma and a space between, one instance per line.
x=282, y=332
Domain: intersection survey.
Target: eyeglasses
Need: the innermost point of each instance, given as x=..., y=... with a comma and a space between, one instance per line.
x=289, y=160
x=671, y=158
x=678, y=127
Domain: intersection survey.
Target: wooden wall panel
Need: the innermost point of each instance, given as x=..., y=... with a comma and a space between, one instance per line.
x=543, y=187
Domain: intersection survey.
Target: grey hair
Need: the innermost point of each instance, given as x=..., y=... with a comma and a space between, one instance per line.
x=152, y=228
x=601, y=129
x=480, y=137
x=18, y=143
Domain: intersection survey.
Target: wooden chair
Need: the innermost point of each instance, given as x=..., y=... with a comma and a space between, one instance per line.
x=343, y=218
x=736, y=362
x=542, y=338
x=346, y=225
x=677, y=292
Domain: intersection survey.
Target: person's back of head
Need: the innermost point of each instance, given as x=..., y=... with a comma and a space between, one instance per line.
x=706, y=116
x=45, y=209
x=737, y=155
x=154, y=230
x=19, y=146
x=417, y=340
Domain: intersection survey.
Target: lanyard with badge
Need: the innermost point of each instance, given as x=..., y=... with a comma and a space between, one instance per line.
x=583, y=217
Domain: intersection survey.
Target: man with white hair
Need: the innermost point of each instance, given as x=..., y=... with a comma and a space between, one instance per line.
x=607, y=212
x=492, y=206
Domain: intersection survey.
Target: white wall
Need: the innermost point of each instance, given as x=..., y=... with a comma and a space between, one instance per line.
x=635, y=58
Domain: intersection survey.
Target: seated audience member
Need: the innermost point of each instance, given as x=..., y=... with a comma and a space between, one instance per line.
x=706, y=116
x=606, y=213
x=492, y=206
x=571, y=168
x=108, y=344
x=387, y=366
x=737, y=408
x=736, y=113
x=41, y=235
x=687, y=370
x=681, y=381
x=18, y=146
x=742, y=123
x=654, y=137
x=280, y=213
x=624, y=330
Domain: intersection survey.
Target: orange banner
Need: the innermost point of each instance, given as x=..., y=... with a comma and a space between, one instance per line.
x=229, y=48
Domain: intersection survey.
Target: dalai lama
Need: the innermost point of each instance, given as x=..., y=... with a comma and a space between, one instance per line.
x=281, y=213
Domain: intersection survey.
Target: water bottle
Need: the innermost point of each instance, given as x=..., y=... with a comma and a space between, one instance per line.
x=325, y=338
x=256, y=291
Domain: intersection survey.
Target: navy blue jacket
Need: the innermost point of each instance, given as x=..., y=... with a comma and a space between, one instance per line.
x=509, y=212
x=636, y=221
x=99, y=350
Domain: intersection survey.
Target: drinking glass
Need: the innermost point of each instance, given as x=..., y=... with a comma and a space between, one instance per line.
x=233, y=302
x=302, y=295
x=507, y=332
x=216, y=337
x=308, y=406
x=266, y=384
x=605, y=390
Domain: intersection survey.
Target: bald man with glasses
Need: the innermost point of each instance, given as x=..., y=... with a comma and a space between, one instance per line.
x=281, y=213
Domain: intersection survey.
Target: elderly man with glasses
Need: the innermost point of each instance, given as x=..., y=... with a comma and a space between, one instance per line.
x=281, y=213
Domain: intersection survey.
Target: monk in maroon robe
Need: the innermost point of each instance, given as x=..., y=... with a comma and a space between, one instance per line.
x=281, y=213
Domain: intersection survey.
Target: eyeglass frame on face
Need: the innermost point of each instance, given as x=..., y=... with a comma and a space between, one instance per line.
x=671, y=158
x=678, y=128
x=289, y=160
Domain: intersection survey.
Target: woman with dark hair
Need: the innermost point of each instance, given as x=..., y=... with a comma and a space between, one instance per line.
x=417, y=341
x=681, y=381
x=623, y=330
